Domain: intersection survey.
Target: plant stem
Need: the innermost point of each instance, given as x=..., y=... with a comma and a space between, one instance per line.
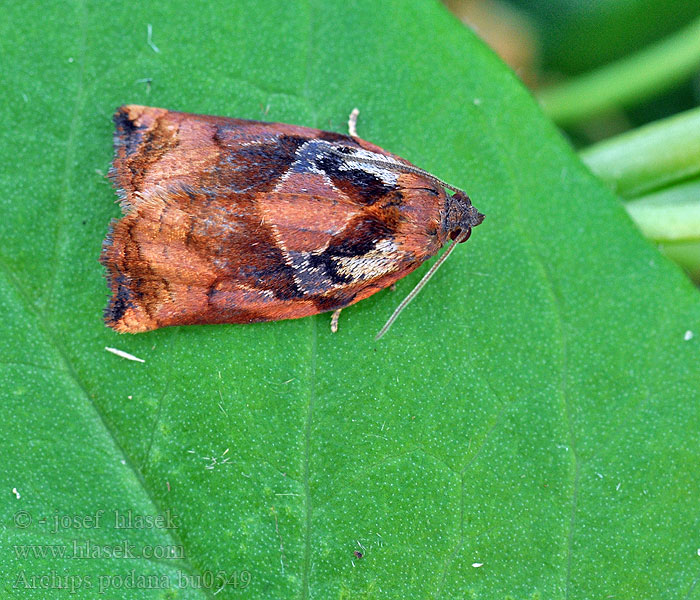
x=627, y=81
x=650, y=157
x=671, y=218
x=657, y=169
x=672, y=215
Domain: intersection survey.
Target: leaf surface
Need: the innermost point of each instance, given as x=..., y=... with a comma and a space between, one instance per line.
x=534, y=411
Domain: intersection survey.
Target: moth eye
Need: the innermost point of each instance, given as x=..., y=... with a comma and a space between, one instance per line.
x=455, y=233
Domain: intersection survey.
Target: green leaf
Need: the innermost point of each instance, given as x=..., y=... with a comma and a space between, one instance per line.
x=534, y=410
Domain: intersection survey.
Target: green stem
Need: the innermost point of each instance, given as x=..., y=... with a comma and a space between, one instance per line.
x=671, y=218
x=650, y=157
x=672, y=215
x=627, y=81
x=657, y=169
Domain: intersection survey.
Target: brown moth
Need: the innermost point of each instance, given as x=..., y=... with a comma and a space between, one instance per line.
x=235, y=221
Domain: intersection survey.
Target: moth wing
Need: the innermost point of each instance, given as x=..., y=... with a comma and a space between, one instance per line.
x=155, y=147
x=251, y=225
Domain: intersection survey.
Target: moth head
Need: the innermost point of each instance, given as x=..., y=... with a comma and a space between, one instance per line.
x=461, y=216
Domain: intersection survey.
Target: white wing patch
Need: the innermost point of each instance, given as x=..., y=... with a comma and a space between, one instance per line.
x=315, y=150
x=305, y=162
x=382, y=259
x=387, y=176
x=315, y=276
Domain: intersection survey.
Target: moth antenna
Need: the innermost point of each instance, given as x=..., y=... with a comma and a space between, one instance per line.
x=414, y=292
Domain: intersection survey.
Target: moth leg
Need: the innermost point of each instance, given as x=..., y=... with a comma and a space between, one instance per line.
x=352, y=122
x=334, y=320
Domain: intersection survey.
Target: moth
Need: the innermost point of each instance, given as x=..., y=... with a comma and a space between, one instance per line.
x=235, y=221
